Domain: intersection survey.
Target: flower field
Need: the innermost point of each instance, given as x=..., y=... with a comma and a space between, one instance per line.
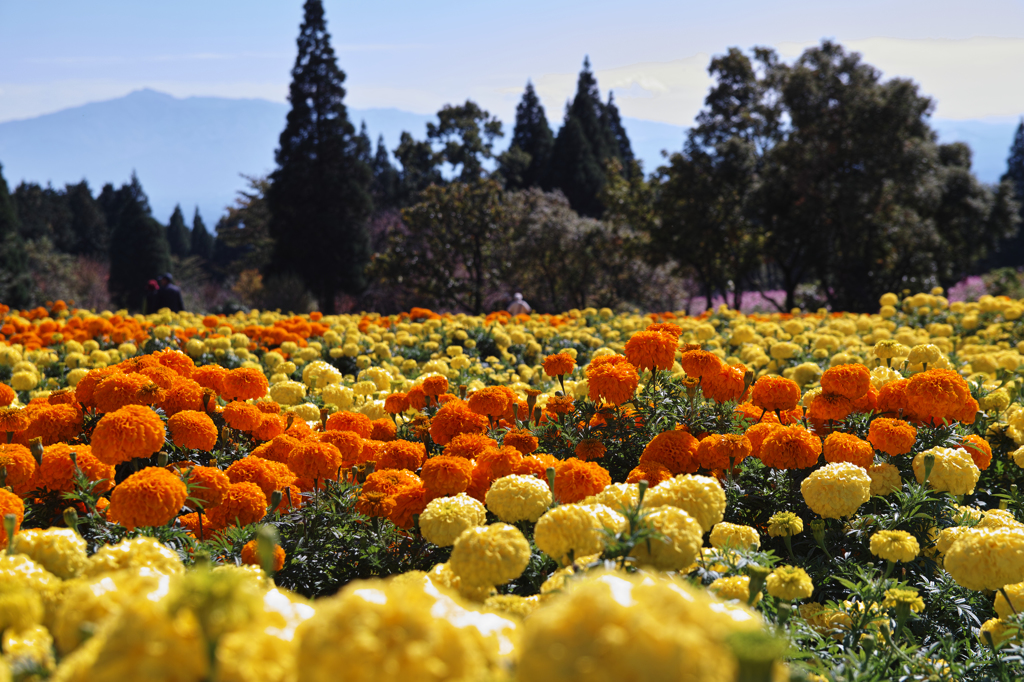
x=587, y=496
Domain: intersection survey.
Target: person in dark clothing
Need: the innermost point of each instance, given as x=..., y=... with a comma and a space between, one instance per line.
x=149, y=305
x=169, y=295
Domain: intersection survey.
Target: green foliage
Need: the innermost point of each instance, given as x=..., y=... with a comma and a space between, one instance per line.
x=201, y=243
x=466, y=134
x=524, y=164
x=178, y=237
x=138, y=245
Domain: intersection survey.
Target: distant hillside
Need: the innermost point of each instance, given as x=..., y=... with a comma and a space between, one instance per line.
x=192, y=151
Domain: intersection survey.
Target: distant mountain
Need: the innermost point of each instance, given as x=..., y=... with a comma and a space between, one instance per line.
x=192, y=151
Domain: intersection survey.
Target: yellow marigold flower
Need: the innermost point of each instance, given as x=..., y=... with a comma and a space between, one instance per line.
x=571, y=529
x=141, y=552
x=987, y=559
x=895, y=545
x=727, y=535
x=903, y=596
x=701, y=497
x=999, y=631
x=1004, y=608
x=789, y=583
x=885, y=479
x=734, y=587
x=403, y=629
x=61, y=551
x=288, y=392
x=783, y=524
x=518, y=498
x=20, y=607
x=619, y=496
x=31, y=648
x=443, y=577
x=445, y=518
x=679, y=543
x=953, y=470
x=490, y=555
x=836, y=490
x=513, y=605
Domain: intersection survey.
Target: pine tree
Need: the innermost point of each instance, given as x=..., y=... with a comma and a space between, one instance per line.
x=15, y=281
x=623, y=149
x=584, y=145
x=385, y=178
x=88, y=223
x=202, y=241
x=1011, y=251
x=138, y=245
x=1015, y=163
x=319, y=197
x=532, y=135
x=178, y=237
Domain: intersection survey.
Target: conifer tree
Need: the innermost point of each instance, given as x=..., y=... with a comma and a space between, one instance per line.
x=385, y=178
x=88, y=223
x=1015, y=163
x=15, y=281
x=532, y=135
x=178, y=238
x=138, y=245
x=1011, y=251
x=202, y=241
x=623, y=149
x=319, y=196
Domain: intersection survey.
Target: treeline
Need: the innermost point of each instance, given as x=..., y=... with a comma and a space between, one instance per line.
x=817, y=178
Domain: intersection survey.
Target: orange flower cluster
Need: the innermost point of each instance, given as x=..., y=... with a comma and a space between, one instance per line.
x=455, y=417
x=940, y=395
x=891, y=436
x=194, y=430
x=151, y=497
x=775, y=393
x=723, y=451
x=792, y=447
x=612, y=378
x=251, y=556
x=129, y=432
x=846, y=447
x=650, y=350
x=576, y=479
x=674, y=450
x=559, y=364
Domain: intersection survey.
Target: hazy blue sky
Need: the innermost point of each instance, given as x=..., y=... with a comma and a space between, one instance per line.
x=417, y=55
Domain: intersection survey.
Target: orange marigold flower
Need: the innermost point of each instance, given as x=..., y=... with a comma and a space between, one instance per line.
x=54, y=423
x=13, y=419
x=611, y=378
x=435, y=385
x=892, y=398
x=316, y=460
x=87, y=384
x=979, y=450
x=575, y=480
x=10, y=504
x=892, y=436
x=491, y=401
x=723, y=451
x=775, y=393
x=699, y=363
x=211, y=377
x=57, y=471
x=251, y=556
x=673, y=330
x=868, y=402
x=351, y=421
x=409, y=502
x=790, y=447
x=851, y=381
x=242, y=504
x=758, y=432
x=207, y=485
x=536, y=465
x=390, y=481
x=164, y=377
x=242, y=416
x=193, y=430
x=349, y=444
x=481, y=483
x=375, y=504
x=267, y=474
x=417, y=398
x=522, y=440
x=402, y=454
x=968, y=413
x=469, y=445
x=270, y=427
x=118, y=390
x=674, y=450
x=650, y=350
x=151, y=497
x=396, y=403
x=589, y=449
x=499, y=462
x=453, y=418
x=446, y=475
x=383, y=429
x=191, y=523
x=559, y=364
x=830, y=407
x=7, y=395
x=652, y=472
x=560, y=405
x=124, y=434
x=20, y=465
x=244, y=383
x=726, y=384
x=185, y=394
x=267, y=407
x=63, y=396
x=370, y=452
x=846, y=447
x=177, y=361
x=278, y=449
x=936, y=395
x=750, y=412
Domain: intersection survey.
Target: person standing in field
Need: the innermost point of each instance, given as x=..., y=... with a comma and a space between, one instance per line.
x=519, y=306
x=169, y=295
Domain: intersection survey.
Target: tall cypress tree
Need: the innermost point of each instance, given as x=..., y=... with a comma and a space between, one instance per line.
x=88, y=223
x=623, y=149
x=531, y=135
x=385, y=178
x=319, y=197
x=138, y=245
x=178, y=237
x=1015, y=164
x=583, y=146
x=1011, y=251
x=15, y=281
x=202, y=241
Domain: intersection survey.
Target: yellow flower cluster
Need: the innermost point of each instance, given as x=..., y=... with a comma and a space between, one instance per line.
x=836, y=490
